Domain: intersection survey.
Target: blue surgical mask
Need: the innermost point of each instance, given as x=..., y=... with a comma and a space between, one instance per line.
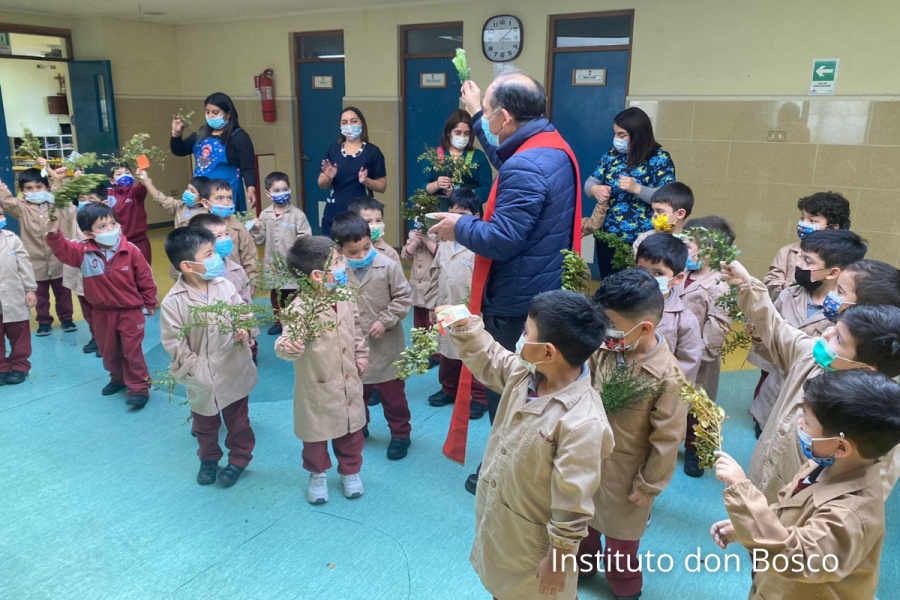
x=108, y=238
x=831, y=307
x=2, y=223
x=804, y=229
x=340, y=278
x=111, y=201
x=692, y=264
x=492, y=139
x=83, y=204
x=125, y=180
x=351, y=132
x=222, y=211
x=825, y=355
x=189, y=199
x=620, y=145
x=806, y=446
x=281, y=197
x=520, y=345
x=361, y=263
x=224, y=246
x=215, y=267
x=39, y=197
x=216, y=122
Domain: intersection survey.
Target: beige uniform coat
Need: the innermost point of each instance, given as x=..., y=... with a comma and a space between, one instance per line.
x=791, y=304
x=841, y=515
x=648, y=436
x=781, y=271
x=384, y=295
x=68, y=223
x=700, y=297
x=451, y=283
x=328, y=395
x=215, y=372
x=682, y=332
x=384, y=248
x=178, y=209
x=236, y=274
x=279, y=233
x=244, y=252
x=777, y=456
x=16, y=278
x=34, y=221
x=640, y=239
x=420, y=272
x=541, y=468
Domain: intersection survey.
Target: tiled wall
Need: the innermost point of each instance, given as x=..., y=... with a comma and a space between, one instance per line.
x=848, y=146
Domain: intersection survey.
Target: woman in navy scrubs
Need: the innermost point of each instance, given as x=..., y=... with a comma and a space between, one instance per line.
x=353, y=167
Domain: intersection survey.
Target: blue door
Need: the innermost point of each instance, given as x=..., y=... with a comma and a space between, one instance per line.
x=320, y=122
x=584, y=114
x=93, y=106
x=426, y=111
x=6, y=172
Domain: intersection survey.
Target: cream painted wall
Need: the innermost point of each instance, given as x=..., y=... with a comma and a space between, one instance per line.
x=25, y=91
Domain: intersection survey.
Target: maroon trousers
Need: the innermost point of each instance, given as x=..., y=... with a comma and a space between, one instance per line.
x=63, y=296
x=280, y=299
x=347, y=449
x=119, y=334
x=448, y=375
x=19, y=335
x=394, y=403
x=620, y=562
x=88, y=311
x=143, y=244
x=240, y=439
x=420, y=319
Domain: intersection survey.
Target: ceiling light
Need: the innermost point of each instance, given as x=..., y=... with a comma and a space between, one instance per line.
x=330, y=56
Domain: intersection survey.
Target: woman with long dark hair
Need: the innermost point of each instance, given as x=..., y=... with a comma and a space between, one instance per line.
x=221, y=149
x=624, y=181
x=458, y=140
x=353, y=167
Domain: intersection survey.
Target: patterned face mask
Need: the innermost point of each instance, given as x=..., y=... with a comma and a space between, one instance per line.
x=663, y=223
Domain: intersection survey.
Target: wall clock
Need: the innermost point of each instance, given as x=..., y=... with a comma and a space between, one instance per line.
x=501, y=38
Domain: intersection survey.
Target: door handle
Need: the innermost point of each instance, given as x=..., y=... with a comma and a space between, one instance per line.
x=304, y=158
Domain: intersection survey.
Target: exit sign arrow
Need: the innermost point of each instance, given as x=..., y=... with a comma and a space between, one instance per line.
x=824, y=76
x=821, y=71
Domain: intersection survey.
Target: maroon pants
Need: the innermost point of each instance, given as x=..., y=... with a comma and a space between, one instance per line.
x=240, y=439
x=119, y=334
x=63, y=296
x=280, y=299
x=88, y=311
x=19, y=335
x=448, y=375
x=347, y=449
x=620, y=562
x=420, y=319
x=143, y=244
x=393, y=401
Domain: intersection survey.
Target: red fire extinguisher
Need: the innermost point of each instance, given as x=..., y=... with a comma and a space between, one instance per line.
x=266, y=86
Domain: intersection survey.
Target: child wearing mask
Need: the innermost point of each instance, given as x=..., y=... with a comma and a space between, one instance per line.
x=17, y=298
x=672, y=204
x=215, y=369
x=372, y=211
x=217, y=197
x=119, y=284
x=278, y=227
x=182, y=209
x=127, y=202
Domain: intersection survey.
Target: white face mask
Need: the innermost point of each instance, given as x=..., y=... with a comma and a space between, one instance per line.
x=531, y=366
x=108, y=238
x=459, y=142
x=663, y=284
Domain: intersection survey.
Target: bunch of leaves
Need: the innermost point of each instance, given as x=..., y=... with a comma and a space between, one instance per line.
x=576, y=274
x=415, y=358
x=708, y=430
x=134, y=148
x=166, y=383
x=68, y=194
x=735, y=339
x=444, y=162
x=420, y=204
x=227, y=318
x=83, y=162
x=462, y=68
x=624, y=388
x=30, y=146
x=301, y=317
x=276, y=275
x=624, y=252
x=185, y=118
x=245, y=217
x=714, y=247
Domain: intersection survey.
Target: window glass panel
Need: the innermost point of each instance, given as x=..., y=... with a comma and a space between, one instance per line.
x=101, y=103
x=596, y=31
x=321, y=46
x=439, y=40
x=37, y=46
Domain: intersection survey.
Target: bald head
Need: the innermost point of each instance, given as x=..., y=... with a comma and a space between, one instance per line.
x=520, y=95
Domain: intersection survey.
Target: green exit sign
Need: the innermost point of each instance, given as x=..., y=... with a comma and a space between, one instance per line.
x=824, y=76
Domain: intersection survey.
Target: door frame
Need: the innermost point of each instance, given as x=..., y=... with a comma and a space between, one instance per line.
x=403, y=55
x=295, y=45
x=552, y=50
x=66, y=34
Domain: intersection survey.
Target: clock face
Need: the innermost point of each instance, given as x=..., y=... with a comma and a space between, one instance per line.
x=501, y=39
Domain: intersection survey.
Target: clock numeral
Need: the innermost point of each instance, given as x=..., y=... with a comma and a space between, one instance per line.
x=503, y=55
x=490, y=48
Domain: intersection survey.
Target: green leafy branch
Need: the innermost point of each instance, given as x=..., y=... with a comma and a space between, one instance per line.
x=623, y=387
x=624, y=252
x=30, y=146
x=68, y=194
x=134, y=148
x=708, y=431
x=166, y=383
x=83, y=162
x=445, y=162
x=244, y=217
x=420, y=204
x=414, y=359
x=462, y=67
x=185, y=118
x=227, y=318
x=576, y=274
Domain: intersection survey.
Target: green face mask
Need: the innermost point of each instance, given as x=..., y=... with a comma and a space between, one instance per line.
x=824, y=354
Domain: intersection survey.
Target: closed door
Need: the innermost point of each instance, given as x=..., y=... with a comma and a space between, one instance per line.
x=93, y=106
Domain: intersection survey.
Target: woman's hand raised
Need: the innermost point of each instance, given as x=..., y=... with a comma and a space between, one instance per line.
x=329, y=169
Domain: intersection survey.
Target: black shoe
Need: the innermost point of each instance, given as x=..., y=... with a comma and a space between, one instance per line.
x=476, y=410
x=208, y=471
x=374, y=399
x=99, y=355
x=43, y=330
x=275, y=329
x=397, y=448
x=440, y=399
x=433, y=362
x=90, y=347
x=230, y=474
x=472, y=483
x=255, y=362
x=15, y=377
x=193, y=433
x=137, y=400
x=69, y=326
x=629, y=597
x=366, y=432
x=3, y=378
x=112, y=388
x=692, y=464
x=757, y=429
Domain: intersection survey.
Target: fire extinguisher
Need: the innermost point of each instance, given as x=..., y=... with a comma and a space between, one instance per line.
x=266, y=86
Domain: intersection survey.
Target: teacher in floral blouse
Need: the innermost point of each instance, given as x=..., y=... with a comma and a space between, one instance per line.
x=623, y=183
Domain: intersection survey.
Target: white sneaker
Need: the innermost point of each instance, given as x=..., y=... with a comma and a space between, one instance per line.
x=353, y=487
x=317, y=488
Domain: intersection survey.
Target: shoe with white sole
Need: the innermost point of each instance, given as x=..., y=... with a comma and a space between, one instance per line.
x=317, y=488
x=353, y=487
